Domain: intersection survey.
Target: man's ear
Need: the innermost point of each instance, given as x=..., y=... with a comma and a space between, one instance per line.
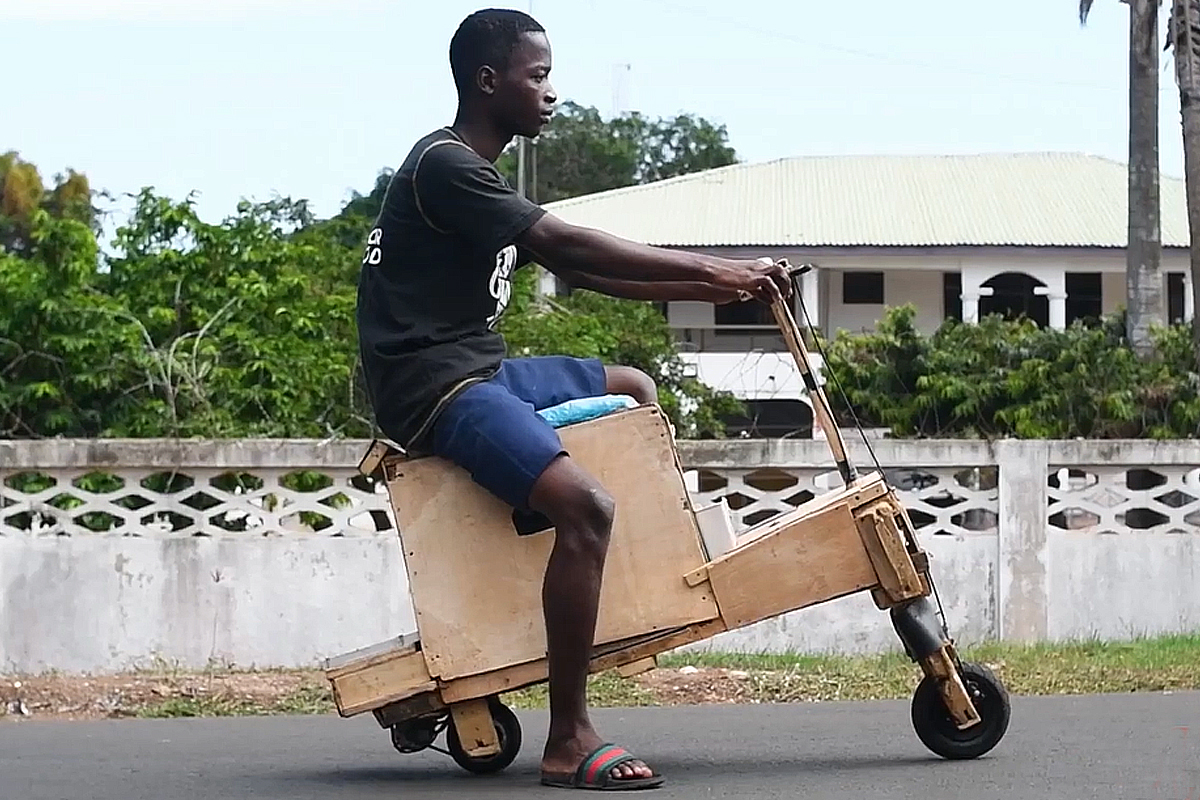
x=485, y=80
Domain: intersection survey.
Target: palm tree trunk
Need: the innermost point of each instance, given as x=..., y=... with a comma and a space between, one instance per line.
x=1143, y=276
x=1184, y=38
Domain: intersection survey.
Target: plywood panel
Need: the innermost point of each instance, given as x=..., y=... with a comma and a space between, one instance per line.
x=521, y=675
x=372, y=681
x=861, y=491
x=815, y=559
x=886, y=548
x=476, y=584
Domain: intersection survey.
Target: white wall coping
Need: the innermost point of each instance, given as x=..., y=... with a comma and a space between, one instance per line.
x=694, y=453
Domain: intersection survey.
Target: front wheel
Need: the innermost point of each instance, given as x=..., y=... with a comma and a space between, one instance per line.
x=508, y=729
x=936, y=729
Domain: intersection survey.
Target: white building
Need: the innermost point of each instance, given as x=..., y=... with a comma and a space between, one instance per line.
x=956, y=236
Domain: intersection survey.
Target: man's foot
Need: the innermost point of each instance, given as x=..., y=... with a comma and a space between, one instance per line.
x=595, y=765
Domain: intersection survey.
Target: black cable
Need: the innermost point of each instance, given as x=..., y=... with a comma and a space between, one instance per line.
x=825, y=360
x=817, y=340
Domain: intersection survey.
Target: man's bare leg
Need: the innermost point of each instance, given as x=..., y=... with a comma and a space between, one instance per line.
x=582, y=514
x=631, y=381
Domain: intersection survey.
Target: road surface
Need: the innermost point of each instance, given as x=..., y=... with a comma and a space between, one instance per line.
x=1117, y=747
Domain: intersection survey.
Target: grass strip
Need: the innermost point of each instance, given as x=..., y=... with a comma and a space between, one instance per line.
x=1163, y=663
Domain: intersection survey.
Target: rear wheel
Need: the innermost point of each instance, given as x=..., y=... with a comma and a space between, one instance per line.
x=508, y=729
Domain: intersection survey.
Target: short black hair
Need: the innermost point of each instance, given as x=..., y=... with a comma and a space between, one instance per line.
x=489, y=37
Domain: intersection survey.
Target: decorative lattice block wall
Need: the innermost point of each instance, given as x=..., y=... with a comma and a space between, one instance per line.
x=1117, y=498
x=193, y=501
x=941, y=500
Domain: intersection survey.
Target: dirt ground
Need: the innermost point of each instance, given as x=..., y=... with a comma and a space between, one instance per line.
x=108, y=696
x=67, y=697
x=684, y=687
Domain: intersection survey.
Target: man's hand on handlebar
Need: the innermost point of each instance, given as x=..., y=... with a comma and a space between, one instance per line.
x=763, y=280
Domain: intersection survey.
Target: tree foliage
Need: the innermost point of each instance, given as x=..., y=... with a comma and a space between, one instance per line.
x=580, y=152
x=245, y=327
x=1009, y=378
x=187, y=328
x=23, y=193
x=242, y=328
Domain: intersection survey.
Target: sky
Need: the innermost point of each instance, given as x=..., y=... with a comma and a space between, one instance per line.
x=311, y=98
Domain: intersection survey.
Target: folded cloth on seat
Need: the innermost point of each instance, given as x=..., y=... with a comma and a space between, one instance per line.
x=585, y=408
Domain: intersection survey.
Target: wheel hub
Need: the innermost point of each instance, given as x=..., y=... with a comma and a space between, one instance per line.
x=416, y=735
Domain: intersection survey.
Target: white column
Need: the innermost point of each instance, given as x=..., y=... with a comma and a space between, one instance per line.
x=1055, y=290
x=972, y=279
x=970, y=306
x=547, y=283
x=1189, y=302
x=1058, y=310
x=1022, y=601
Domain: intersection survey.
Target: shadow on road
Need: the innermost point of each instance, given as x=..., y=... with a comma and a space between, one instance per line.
x=524, y=774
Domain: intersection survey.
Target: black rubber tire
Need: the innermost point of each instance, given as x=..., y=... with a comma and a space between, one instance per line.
x=936, y=729
x=508, y=728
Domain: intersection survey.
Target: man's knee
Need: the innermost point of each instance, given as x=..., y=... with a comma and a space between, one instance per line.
x=580, y=508
x=633, y=382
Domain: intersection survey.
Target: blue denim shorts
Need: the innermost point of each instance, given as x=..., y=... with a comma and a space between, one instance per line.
x=492, y=429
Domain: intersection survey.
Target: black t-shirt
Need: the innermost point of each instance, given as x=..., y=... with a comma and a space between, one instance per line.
x=435, y=279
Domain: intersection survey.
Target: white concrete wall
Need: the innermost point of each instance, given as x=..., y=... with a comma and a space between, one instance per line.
x=922, y=288
x=1112, y=291
x=690, y=314
x=81, y=601
x=754, y=376
x=1122, y=586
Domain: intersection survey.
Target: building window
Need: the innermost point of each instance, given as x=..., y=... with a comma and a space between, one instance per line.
x=770, y=419
x=952, y=295
x=1085, y=299
x=1014, y=296
x=1175, y=289
x=751, y=312
x=742, y=319
x=862, y=288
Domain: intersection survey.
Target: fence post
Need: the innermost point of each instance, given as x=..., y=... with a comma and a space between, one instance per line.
x=1022, y=604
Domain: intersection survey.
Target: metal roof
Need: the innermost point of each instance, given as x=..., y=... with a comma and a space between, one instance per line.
x=1010, y=199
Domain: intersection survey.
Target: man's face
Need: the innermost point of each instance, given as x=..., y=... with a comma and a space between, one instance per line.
x=524, y=99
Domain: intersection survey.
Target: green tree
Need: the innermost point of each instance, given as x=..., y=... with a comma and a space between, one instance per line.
x=1011, y=378
x=56, y=350
x=241, y=328
x=246, y=327
x=23, y=193
x=580, y=153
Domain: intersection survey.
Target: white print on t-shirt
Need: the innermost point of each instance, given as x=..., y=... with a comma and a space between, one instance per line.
x=500, y=284
x=374, y=253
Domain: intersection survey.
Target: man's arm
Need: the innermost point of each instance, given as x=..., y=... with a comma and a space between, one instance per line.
x=656, y=291
x=572, y=251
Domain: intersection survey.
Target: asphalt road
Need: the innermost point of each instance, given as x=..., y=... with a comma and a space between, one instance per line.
x=1126, y=747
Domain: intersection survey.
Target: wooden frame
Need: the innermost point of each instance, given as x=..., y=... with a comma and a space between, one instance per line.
x=476, y=582
x=840, y=543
